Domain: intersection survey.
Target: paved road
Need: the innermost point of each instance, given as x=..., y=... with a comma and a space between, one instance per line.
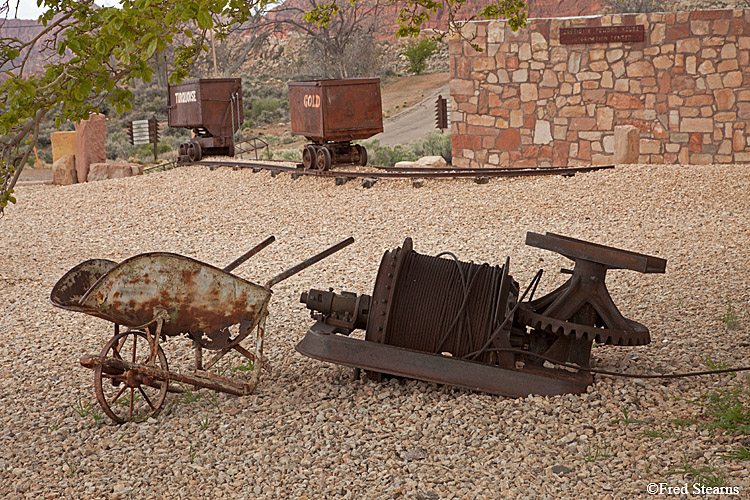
x=412, y=123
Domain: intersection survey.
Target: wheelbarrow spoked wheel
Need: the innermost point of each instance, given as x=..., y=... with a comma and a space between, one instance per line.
x=129, y=395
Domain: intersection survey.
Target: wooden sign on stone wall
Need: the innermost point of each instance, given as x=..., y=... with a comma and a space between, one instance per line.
x=602, y=34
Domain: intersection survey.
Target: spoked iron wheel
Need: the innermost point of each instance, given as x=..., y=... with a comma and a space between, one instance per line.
x=308, y=157
x=323, y=159
x=127, y=395
x=195, y=153
x=362, y=154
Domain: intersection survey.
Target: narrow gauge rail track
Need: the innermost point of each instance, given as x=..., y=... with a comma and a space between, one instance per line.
x=405, y=172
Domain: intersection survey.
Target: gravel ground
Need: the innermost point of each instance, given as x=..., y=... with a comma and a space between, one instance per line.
x=309, y=432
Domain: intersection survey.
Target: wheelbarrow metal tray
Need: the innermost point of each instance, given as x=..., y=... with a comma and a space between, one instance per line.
x=197, y=297
x=74, y=284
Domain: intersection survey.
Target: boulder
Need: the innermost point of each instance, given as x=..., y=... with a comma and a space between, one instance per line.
x=119, y=170
x=98, y=172
x=431, y=162
x=64, y=171
x=115, y=170
x=405, y=164
x=627, y=144
x=91, y=136
x=63, y=143
x=424, y=162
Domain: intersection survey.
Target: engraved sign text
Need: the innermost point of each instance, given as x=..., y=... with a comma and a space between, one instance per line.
x=602, y=34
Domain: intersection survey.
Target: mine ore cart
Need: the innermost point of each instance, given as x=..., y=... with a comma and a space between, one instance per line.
x=156, y=296
x=212, y=109
x=331, y=114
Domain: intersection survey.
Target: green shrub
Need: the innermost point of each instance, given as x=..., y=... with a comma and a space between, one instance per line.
x=387, y=156
x=419, y=52
x=290, y=155
x=435, y=144
x=267, y=110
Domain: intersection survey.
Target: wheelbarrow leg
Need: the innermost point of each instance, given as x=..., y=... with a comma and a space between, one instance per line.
x=161, y=315
x=258, y=364
x=198, y=356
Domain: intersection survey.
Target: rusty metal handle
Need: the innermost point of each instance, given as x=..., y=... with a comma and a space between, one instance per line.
x=231, y=267
x=309, y=262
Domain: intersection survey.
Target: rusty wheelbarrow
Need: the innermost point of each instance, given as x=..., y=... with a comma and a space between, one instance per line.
x=159, y=295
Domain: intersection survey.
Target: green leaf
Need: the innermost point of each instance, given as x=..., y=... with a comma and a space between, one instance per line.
x=151, y=48
x=204, y=20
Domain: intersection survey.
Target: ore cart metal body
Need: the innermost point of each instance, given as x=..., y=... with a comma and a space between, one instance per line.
x=212, y=109
x=331, y=114
x=156, y=296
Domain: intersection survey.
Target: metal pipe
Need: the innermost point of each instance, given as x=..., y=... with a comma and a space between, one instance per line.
x=309, y=262
x=231, y=267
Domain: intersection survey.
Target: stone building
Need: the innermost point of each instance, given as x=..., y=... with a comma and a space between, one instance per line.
x=526, y=99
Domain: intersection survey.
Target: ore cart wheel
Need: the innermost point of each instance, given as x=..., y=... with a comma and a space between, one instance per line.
x=194, y=151
x=308, y=157
x=323, y=159
x=127, y=395
x=182, y=150
x=362, y=154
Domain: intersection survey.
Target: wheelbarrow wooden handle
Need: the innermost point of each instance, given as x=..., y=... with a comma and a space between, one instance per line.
x=309, y=262
x=231, y=267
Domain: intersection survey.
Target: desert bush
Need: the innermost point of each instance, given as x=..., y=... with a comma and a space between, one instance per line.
x=387, y=156
x=290, y=155
x=435, y=144
x=418, y=52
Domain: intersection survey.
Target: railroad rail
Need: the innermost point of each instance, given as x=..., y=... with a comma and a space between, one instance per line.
x=404, y=172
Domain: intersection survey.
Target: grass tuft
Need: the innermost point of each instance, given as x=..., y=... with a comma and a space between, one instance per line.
x=595, y=452
x=706, y=476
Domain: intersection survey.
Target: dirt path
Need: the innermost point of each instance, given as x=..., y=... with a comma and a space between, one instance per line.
x=36, y=175
x=417, y=96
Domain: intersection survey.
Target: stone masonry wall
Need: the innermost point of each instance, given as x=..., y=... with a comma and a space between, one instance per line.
x=527, y=100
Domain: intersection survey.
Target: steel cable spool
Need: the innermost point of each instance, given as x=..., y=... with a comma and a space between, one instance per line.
x=435, y=304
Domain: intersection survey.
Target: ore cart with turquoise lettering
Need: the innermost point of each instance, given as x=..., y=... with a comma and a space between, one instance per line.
x=212, y=109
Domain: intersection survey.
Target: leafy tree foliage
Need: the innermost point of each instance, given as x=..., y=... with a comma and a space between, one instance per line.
x=95, y=54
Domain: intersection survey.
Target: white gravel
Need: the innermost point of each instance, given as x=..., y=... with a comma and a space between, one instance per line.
x=309, y=432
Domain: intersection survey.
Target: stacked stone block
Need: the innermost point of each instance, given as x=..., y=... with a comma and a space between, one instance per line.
x=525, y=100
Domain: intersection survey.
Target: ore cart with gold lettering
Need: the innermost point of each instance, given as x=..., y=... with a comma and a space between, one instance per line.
x=331, y=114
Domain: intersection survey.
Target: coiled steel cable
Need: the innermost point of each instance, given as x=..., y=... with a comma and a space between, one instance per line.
x=443, y=305
x=622, y=374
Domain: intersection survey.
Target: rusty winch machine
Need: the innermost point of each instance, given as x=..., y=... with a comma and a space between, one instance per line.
x=439, y=319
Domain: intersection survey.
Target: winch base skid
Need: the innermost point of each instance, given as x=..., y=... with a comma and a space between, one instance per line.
x=321, y=343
